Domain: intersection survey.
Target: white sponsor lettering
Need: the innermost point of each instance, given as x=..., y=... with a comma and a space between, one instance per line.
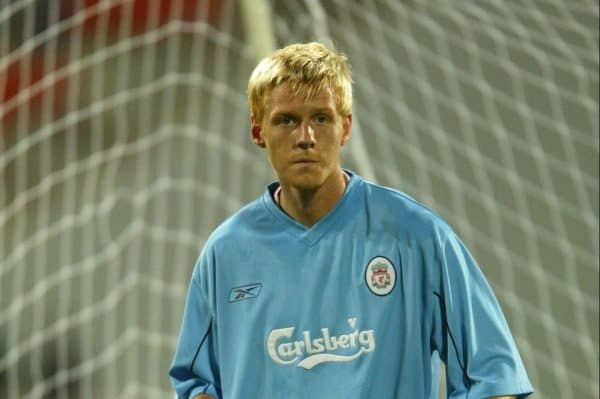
x=311, y=351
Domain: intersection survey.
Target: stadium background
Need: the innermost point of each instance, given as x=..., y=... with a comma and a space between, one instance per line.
x=124, y=142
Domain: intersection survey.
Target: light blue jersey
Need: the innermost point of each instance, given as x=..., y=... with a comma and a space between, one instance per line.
x=363, y=304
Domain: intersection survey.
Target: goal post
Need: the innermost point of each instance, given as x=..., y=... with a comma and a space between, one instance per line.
x=124, y=141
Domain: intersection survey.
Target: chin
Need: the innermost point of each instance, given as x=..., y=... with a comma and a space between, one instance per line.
x=304, y=181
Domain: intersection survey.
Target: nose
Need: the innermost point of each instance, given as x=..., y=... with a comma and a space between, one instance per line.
x=306, y=136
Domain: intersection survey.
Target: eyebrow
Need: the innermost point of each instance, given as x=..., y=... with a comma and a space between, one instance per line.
x=293, y=113
x=279, y=114
x=324, y=110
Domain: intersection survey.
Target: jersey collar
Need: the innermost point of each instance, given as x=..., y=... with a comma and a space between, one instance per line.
x=336, y=216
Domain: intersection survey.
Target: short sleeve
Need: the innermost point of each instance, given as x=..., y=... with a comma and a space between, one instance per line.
x=194, y=369
x=476, y=345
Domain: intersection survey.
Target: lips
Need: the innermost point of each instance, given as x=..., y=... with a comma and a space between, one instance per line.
x=304, y=161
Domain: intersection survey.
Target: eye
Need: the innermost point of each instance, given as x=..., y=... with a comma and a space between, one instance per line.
x=285, y=120
x=321, y=118
x=288, y=120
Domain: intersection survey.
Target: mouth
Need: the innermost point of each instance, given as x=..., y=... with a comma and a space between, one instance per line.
x=304, y=161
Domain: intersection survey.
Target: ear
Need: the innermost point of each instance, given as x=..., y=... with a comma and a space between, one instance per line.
x=346, y=128
x=256, y=131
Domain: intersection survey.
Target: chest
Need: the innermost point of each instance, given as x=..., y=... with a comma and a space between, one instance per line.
x=337, y=270
x=343, y=284
x=344, y=307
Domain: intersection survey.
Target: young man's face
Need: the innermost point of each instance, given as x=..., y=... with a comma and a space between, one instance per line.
x=303, y=137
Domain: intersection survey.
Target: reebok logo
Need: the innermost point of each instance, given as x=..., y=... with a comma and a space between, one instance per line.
x=310, y=351
x=244, y=292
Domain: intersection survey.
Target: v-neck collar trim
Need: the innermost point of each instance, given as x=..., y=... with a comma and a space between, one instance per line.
x=311, y=235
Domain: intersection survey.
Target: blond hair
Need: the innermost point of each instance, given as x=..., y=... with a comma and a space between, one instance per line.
x=308, y=69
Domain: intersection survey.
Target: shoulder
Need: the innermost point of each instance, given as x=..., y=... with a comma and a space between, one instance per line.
x=233, y=238
x=241, y=225
x=400, y=213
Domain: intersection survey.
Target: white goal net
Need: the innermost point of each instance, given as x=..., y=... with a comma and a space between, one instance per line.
x=124, y=141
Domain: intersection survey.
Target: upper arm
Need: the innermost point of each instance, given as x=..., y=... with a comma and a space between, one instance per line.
x=477, y=347
x=194, y=369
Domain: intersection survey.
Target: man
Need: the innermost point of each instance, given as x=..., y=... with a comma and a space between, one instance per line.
x=329, y=286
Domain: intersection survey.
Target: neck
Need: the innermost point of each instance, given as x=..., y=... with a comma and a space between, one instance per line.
x=309, y=206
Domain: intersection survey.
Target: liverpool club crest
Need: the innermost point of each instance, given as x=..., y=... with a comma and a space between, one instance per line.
x=380, y=276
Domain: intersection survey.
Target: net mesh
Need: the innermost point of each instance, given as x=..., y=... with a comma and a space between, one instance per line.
x=124, y=142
